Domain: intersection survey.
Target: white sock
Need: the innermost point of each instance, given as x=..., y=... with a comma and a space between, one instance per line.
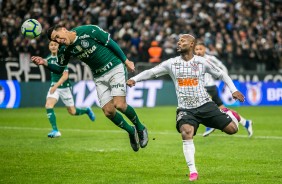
x=242, y=121
x=189, y=154
x=234, y=119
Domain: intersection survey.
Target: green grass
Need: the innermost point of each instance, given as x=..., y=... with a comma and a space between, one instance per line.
x=99, y=152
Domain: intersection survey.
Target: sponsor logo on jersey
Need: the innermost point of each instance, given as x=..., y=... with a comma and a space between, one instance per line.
x=185, y=82
x=78, y=48
x=84, y=36
x=84, y=43
x=87, y=52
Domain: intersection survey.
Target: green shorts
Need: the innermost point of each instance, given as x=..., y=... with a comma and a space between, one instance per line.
x=208, y=114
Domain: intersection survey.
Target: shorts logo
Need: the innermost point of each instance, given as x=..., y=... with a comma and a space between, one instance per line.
x=117, y=85
x=185, y=82
x=180, y=115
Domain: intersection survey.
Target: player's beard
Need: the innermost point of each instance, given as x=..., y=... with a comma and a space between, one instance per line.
x=183, y=50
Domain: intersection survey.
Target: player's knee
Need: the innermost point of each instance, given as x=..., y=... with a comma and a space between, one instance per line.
x=187, y=131
x=231, y=128
x=49, y=106
x=72, y=111
x=109, y=113
x=121, y=106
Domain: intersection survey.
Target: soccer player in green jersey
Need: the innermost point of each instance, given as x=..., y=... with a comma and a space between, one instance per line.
x=61, y=88
x=94, y=46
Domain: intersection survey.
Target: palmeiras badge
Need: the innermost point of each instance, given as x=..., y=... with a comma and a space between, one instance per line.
x=84, y=43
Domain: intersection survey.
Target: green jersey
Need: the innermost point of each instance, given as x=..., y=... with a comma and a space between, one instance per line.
x=56, y=77
x=94, y=47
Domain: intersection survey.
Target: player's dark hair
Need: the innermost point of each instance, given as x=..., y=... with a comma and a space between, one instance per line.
x=51, y=29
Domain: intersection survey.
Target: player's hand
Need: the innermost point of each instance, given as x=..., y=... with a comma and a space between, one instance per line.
x=37, y=60
x=52, y=90
x=130, y=65
x=237, y=95
x=130, y=82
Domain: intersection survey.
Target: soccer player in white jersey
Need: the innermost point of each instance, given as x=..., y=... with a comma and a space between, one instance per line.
x=195, y=106
x=212, y=90
x=61, y=88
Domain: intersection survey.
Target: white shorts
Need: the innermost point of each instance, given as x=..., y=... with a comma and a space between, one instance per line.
x=111, y=84
x=65, y=95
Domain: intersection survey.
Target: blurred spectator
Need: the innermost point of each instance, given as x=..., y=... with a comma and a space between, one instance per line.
x=155, y=52
x=228, y=28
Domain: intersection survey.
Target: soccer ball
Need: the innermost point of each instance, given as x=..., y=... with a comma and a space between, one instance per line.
x=31, y=28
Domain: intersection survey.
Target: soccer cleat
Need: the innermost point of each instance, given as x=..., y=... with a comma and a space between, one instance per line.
x=91, y=114
x=208, y=131
x=54, y=134
x=134, y=141
x=143, y=137
x=249, y=127
x=193, y=176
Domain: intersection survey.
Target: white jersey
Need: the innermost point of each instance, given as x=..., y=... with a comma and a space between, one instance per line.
x=188, y=78
x=210, y=80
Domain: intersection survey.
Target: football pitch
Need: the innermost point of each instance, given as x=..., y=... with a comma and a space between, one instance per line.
x=99, y=152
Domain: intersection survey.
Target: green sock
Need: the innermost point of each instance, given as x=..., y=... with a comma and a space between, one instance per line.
x=131, y=114
x=80, y=111
x=120, y=122
x=52, y=118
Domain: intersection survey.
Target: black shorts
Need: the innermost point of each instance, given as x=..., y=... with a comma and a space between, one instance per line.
x=213, y=92
x=208, y=114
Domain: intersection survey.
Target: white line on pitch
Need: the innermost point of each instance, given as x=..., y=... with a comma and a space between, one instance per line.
x=153, y=132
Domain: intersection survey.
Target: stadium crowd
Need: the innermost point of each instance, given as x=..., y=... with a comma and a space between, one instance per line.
x=245, y=35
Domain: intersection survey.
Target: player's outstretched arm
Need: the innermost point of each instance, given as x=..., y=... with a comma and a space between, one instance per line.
x=237, y=95
x=130, y=82
x=38, y=60
x=52, y=67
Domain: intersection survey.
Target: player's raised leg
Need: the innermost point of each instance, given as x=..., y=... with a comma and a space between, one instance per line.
x=208, y=131
x=248, y=124
x=111, y=113
x=141, y=129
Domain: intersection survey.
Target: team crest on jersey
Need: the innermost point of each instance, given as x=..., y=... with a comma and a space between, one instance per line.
x=254, y=94
x=195, y=66
x=84, y=43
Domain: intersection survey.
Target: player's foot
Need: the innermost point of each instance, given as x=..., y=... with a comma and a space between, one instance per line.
x=208, y=131
x=193, y=176
x=143, y=137
x=249, y=127
x=134, y=141
x=91, y=114
x=54, y=134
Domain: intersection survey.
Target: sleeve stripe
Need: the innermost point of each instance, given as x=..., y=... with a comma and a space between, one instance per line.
x=109, y=37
